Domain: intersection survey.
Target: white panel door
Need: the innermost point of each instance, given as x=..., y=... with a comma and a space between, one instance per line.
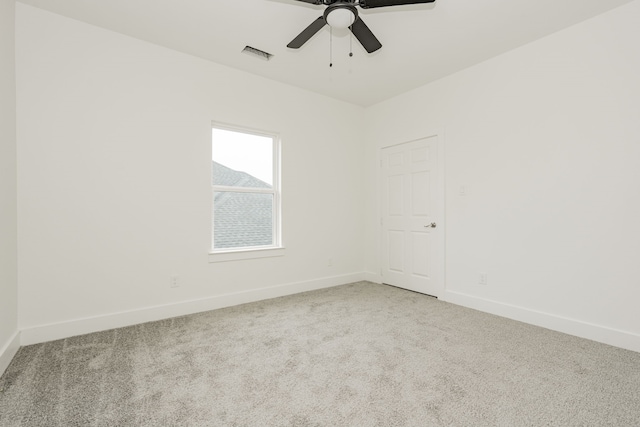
x=412, y=238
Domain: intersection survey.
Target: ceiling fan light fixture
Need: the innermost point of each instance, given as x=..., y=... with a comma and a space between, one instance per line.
x=341, y=17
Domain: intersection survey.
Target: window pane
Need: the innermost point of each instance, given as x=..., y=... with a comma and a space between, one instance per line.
x=241, y=159
x=242, y=220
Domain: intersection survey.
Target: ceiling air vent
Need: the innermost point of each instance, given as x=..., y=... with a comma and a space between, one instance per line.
x=257, y=53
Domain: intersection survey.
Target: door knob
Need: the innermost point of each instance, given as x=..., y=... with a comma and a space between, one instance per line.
x=432, y=225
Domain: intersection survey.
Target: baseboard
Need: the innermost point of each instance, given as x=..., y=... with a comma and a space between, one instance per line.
x=372, y=277
x=614, y=337
x=55, y=331
x=8, y=351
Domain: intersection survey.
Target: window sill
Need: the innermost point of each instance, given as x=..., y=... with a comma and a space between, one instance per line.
x=243, y=254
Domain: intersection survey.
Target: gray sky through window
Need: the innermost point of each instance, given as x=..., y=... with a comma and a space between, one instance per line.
x=243, y=152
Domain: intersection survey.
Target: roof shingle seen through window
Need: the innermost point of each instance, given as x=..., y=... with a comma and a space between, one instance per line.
x=223, y=175
x=240, y=219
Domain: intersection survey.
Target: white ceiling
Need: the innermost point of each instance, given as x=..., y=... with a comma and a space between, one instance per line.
x=421, y=43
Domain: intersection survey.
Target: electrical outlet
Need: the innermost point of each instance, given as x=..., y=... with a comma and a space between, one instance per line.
x=174, y=282
x=483, y=280
x=329, y=262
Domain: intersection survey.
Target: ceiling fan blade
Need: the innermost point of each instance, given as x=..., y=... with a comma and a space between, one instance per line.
x=311, y=1
x=370, y=4
x=365, y=36
x=307, y=33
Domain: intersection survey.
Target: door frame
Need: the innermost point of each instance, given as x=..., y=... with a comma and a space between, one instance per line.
x=441, y=240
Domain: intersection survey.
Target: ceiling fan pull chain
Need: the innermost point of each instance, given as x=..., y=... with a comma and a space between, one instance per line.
x=330, y=47
x=351, y=41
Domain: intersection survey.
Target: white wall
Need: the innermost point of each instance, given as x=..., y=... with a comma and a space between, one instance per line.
x=8, y=230
x=546, y=140
x=114, y=180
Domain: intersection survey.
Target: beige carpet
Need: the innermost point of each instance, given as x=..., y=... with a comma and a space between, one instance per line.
x=354, y=355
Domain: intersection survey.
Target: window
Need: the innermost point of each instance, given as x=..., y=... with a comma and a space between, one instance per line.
x=245, y=184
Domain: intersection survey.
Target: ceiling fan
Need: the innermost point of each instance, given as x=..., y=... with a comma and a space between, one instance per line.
x=343, y=14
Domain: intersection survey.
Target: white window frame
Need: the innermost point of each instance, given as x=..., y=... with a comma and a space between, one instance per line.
x=249, y=252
